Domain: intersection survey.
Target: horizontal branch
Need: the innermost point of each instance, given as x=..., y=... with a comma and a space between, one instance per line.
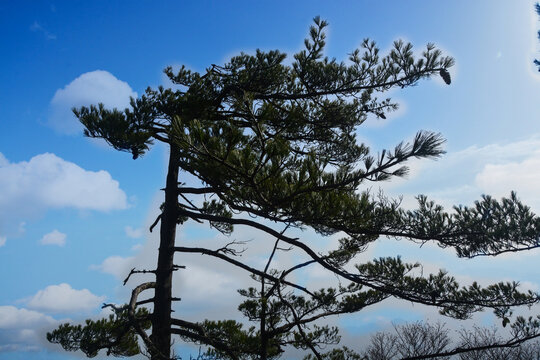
x=193, y=190
x=133, y=271
x=147, y=301
x=512, y=250
x=340, y=90
x=302, y=321
x=241, y=265
x=419, y=298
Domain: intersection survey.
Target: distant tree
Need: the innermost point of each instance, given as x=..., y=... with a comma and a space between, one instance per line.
x=409, y=340
x=421, y=340
x=480, y=337
x=274, y=148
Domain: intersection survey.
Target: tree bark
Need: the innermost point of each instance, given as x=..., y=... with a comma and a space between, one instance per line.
x=264, y=336
x=161, y=319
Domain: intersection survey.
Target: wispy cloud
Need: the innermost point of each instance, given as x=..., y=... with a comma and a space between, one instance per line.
x=115, y=265
x=36, y=27
x=461, y=177
x=133, y=233
x=54, y=238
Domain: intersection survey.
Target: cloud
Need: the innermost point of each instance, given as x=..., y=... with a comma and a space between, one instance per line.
x=206, y=282
x=3, y=240
x=463, y=176
x=115, y=265
x=14, y=318
x=64, y=299
x=29, y=188
x=136, y=247
x=36, y=27
x=54, y=238
x=22, y=329
x=89, y=88
x=523, y=177
x=133, y=233
x=3, y=160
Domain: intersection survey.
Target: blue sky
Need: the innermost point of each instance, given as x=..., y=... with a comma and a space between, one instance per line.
x=74, y=214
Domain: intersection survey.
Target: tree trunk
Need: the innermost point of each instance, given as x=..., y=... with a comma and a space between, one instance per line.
x=161, y=319
x=264, y=336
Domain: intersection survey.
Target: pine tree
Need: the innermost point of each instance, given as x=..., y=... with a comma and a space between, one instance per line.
x=278, y=142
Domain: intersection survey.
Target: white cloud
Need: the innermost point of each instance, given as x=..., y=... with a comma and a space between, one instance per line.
x=206, y=282
x=36, y=27
x=3, y=240
x=3, y=160
x=523, y=177
x=64, y=299
x=133, y=233
x=22, y=329
x=136, y=247
x=47, y=181
x=115, y=265
x=93, y=87
x=14, y=318
x=463, y=176
x=54, y=238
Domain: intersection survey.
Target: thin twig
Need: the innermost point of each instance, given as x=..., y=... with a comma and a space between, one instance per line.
x=155, y=222
x=133, y=271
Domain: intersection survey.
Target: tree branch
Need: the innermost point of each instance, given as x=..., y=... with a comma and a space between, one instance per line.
x=155, y=222
x=414, y=297
x=200, y=336
x=133, y=271
x=131, y=312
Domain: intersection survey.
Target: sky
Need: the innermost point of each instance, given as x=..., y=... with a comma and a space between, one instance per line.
x=74, y=213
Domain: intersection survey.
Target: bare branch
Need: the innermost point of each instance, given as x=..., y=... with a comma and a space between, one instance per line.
x=131, y=312
x=239, y=264
x=155, y=223
x=133, y=271
x=192, y=190
x=228, y=250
